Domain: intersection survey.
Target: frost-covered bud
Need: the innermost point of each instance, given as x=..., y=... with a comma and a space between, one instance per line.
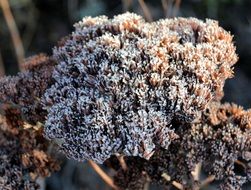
x=120, y=82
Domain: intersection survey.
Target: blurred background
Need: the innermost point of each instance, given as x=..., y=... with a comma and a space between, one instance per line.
x=28, y=27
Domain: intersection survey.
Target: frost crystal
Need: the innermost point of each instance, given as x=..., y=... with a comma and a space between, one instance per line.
x=120, y=82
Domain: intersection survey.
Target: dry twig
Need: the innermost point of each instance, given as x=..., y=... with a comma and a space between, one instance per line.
x=122, y=162
x=177, y=185
x=196, y=172
x=145, y=10
x=2, y=71
x=208, y=180
x=15, y=36
x=240, y=163
x=176, y=7
x=127, y=4
x=174, y=183
x=103, y=175
x=165, y=7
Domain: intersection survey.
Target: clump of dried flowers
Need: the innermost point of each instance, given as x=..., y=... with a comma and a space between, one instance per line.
x=219, y=143
x=147, y=91
x=120, y=82
x=24, y=152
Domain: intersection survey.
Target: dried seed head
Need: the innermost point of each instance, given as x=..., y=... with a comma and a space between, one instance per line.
x=218, y=144
x=120, y=82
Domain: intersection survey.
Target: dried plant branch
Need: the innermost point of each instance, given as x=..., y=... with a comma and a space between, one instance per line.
x=165, y=7
x=127, y=4
x=15, y=36
x=103, y=175
x=177, y=4
x=32, y=23
x=2, y=70
x=174, y=183
x=176, y=7
x=178, y=185
x=145, y=10
x=122, y=162
x=166, y=176
x=207, y=181
x=196, y=172
x=240, y=163
x=147, y=183
x=146, y=187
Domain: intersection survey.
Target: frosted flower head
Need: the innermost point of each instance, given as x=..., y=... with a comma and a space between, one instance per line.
x=121, y=82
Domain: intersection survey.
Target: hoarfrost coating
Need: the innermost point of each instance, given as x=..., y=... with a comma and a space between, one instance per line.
x=120, y=83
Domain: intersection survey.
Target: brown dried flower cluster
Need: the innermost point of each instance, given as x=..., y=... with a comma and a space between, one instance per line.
x=23, y=149
x=220, y=143
x=23, y=153
x=147, y=91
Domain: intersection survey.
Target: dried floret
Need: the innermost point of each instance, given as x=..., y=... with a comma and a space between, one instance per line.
x=126, y=179
x=12, y=174
x=222, y=137
x=220, y=142
x=26, y=89
x=120, y=82
x=23, y=154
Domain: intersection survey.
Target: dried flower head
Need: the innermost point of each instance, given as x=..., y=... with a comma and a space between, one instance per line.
x=120, y=82
x=220, y=142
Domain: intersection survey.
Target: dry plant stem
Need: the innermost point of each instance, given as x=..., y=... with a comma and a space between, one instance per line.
x=174, y=183
x=207, y=181
x=126, y=4
x=103, y=175
x=146, y=11
x=177, y=4
x=31, y=27
x=17, y=42
x=122, y=162
x=2, y=71
x=240, y=163
x=177, y=185
x=196, y=172
x=146, y=186
x=176, y=7
x=165, y=7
